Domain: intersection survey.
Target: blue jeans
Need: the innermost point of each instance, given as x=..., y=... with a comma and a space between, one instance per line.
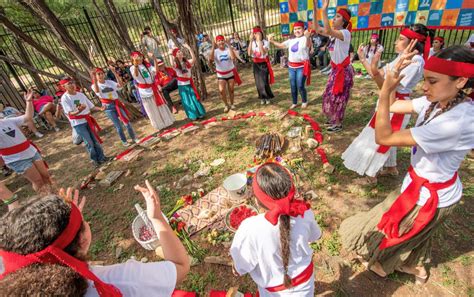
x=92, y=144
x=113, y=116
x=297, y=80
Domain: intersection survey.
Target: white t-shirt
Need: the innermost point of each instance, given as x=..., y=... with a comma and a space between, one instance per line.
x=11, y=135
x=371, y=53
x=70, y=102
x=145, y=76
x=171, y=45
x=9, y=112
x=107, y=90
x=339, y=49
x=256, y=250
x=298, y=51
x=134, y=278
x=441, y=146
x=180, y=73
x=224, y=62
x=413, y=73
x=256, y=50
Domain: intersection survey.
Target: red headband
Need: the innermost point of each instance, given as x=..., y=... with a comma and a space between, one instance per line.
x=439, y=38
x=55, y=254
x=283, y=206
x=136, y=54
x=452, y=68
x=97, y=70
x=257, y=30
x=62, y=82
x=175, y=51
x=407, y=32
x=376, y=36
x=298, y=24
x=160, y=62
x=219, y=38
x=345, y=15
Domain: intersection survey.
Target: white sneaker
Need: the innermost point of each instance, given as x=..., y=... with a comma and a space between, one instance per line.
x=262, y=102
x=293, y=106
x=136, y=140
x=233, y=107
x=267, y=102
x=38, y=134
x=226, y=109
x=304, y=105
x=56, y=129
x=125, y=144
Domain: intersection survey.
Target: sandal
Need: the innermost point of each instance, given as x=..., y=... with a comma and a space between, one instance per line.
x=420, y=277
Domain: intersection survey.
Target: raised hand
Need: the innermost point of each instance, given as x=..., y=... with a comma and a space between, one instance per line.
x=72, y=196
x=325, y=4
x=406, y=56
x=153, y=207
x=29, y=95
x=307, y=33
x=392, y=78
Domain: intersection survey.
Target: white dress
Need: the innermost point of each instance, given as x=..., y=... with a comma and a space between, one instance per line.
x=160, y=116
x=362, y=156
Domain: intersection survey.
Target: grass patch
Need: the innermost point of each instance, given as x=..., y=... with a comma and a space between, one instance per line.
x=196, y=282
x=101, y=245
x=447, y=274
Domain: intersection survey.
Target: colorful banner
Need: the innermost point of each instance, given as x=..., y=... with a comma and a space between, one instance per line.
x=376, y=14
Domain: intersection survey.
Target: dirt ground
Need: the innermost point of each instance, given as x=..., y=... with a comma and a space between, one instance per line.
x=111, y=210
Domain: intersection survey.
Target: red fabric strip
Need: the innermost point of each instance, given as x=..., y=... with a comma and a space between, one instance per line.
x=190, y=79
x=237, y=79
x=93, y=125
x=269, y=66
x=158, y=99
x=338, y=87
x=301, y=278
x=119, y=106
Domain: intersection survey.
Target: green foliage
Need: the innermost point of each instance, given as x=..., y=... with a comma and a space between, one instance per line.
x=197, y=282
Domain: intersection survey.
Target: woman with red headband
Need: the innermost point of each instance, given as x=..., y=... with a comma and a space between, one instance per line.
x=44, y=246
x=155, y=106
x=227, y=75
x=186, y=88
x=367, y=52
x=107, y=91
x=364, y=156
x=20, y=154
x=299, y=66
x=262, y=68
x=274, y=247
x=341, y=77
x=438, y=44
x=78, y=109
x=397, y=233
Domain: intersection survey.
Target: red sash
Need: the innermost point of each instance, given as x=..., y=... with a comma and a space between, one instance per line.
x=19, y=148
x=190, y=79
x=306, y=70
x=396, y=122
x=95, y=128
x=158, y=99
x=405, y=203
x=119, y=107
x=339, y=79
x=237, y=79
x=269, y=66
x=301, y=278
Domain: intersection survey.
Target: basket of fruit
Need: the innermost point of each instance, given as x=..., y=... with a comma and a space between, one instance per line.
x=237, y=214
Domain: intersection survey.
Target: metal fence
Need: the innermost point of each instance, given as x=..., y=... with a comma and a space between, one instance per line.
x=214, y=16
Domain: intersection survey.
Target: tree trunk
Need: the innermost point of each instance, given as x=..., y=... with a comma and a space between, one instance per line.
x=11, y=95
x=24, y=56
x=29, y=67
x=259, y=12
x=119, y=25
x=71, y=71
x=40, y=10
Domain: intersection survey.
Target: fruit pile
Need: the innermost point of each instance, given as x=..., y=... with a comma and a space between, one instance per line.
x=239, y=214
x=146, y=233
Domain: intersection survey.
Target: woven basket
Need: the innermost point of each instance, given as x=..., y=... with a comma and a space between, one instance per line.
x=151, y=244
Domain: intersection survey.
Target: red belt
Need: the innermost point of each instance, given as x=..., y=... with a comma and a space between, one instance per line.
x=95, y=128
x=396, y=122
x=20, y=148
x=306, y=70
x=158, y=100
x=301, y=278
x=119, y=107
x=405, y=203
x=269, y=66
x=339, y=79
x=237, y=79
x=190, y=79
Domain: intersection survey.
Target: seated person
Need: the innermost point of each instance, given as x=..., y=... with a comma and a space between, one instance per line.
x=318, y=52
x=11, y=112
x=45, y=107
x=240, y=47
x=124, y=71
x=204, y=52
x=54, y=227
x=166, y=80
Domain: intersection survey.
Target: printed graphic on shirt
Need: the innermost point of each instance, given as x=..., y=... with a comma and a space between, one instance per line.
x=224, y=57
x=145, y=73
x=295, y=47
x=9, y=131
x=107, y=91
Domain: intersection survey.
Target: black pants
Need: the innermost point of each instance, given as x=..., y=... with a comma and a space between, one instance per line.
x=167, y=89
x=262, y=80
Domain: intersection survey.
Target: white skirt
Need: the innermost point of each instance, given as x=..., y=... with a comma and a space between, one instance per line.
x=362, y=156
x=160, y=116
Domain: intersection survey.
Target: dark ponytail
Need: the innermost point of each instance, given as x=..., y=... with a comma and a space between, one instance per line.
x=423, y=30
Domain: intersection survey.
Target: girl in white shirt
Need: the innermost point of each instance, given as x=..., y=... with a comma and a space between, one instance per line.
x=372, y=48
x=299, y=66
x=341, y=77
x=53, y=227
x=438, y=44
x=397, y=233
x=274, y=247
x=223, y=54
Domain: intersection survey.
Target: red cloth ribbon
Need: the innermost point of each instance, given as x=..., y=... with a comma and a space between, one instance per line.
x=322, y=155
x=175, y=51
x=306, y=69
x=180, y=293
x=269, y=66
x=440, y=39
x=119, y=107
x=409, y=33
x=158, y=99
x=396, y=122
x=452, y=68
x=220, y=38
x=301, y=278
x=211, y=120
x=338, y=87
x=190, y=79
x=136, y=54
x=390, y=221
x=257, y=29
x=346, y=16
x=55, y=254
x=93, y=125
x=298, y=24
x=283, y=206
x=167, y=132
x=20, y=148
x=237, y=79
